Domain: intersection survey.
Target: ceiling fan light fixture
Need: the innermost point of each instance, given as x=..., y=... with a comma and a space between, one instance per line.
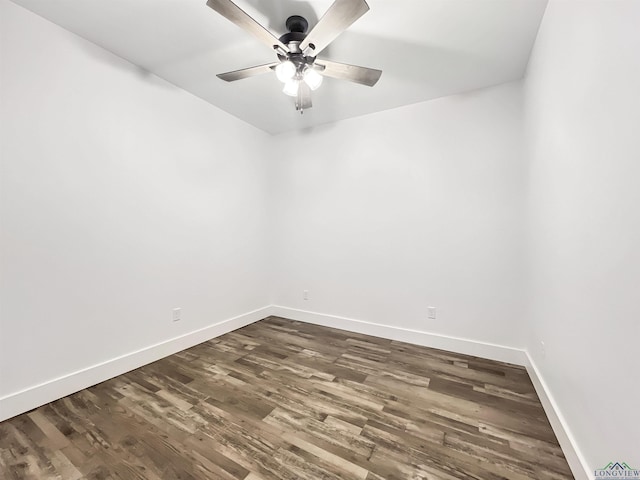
x=297, y=50
x=312, y=78
x=291, y=87
x=285, y=71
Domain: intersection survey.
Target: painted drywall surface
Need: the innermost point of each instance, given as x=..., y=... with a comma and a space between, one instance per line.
x=582, y=104
x=122, y=198
x=381, y=216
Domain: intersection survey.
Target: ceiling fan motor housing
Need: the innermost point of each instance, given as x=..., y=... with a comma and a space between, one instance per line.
x=296, y=23
x=297, y=27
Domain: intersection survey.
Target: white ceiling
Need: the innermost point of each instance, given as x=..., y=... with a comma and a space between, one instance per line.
x=426, y=49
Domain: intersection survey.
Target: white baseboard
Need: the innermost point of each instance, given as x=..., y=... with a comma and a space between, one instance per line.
x=434, y=340
x=25, y=400
x=32, y=397
x=572, y=453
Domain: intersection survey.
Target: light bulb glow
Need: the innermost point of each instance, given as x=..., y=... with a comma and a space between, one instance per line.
x=285, y=71
x=312, y=78
x=291, y=87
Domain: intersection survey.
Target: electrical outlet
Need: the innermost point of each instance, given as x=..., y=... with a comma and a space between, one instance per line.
x=305, y=294
x=431, y=313
x=176, y=313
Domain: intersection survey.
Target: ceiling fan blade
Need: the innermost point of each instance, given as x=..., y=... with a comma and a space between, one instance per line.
x=353, y=73
x=235, y=14
x=335, y=21
x=247, y=72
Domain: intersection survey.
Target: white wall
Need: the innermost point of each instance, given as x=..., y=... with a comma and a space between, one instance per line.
x=380, y=216
x=582, y=104
x=121, y=198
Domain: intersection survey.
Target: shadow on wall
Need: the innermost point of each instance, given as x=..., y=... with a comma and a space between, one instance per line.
x=114, y=61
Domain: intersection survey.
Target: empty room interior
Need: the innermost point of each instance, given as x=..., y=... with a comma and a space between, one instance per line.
x=319, y=239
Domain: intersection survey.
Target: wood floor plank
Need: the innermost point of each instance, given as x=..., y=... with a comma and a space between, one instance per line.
x=281, y=399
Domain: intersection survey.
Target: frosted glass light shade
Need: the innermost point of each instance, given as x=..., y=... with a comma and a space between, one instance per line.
x=291, y=87
x=312, y=78
x=285, y=71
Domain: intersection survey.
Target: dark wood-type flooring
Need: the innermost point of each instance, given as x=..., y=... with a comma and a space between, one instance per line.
x=286, y=400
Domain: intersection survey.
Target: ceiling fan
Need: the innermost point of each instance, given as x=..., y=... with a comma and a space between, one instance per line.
x=297, y=66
